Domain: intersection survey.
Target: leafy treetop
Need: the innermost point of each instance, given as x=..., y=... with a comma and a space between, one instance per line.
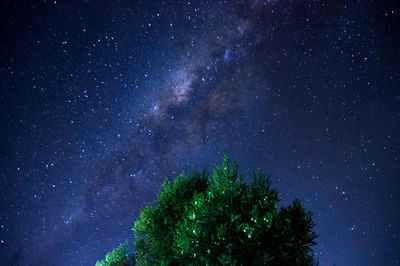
x=221, y=220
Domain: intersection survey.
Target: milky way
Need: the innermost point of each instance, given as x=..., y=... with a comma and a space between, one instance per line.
x=102, y=100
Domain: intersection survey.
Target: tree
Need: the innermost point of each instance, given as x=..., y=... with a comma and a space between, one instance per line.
x=120, y=256
x=221, y=220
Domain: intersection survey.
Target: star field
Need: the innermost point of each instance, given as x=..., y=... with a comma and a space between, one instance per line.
x=101, y=100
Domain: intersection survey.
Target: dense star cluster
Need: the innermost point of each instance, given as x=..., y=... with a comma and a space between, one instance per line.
x=101, y=100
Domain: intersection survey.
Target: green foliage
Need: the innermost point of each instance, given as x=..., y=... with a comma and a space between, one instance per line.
x=155, y=229
x=222, y=221
x=120, y=256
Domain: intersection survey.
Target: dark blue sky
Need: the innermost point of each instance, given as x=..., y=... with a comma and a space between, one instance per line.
x=101, y=100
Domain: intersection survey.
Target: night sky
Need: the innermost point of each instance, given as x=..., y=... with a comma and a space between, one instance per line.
x=101, y=100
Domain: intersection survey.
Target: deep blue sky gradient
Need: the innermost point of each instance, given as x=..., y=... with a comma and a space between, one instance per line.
x=101, y=100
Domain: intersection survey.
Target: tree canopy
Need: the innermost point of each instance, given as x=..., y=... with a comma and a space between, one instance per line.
x=120, y=256
x=220, y=220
